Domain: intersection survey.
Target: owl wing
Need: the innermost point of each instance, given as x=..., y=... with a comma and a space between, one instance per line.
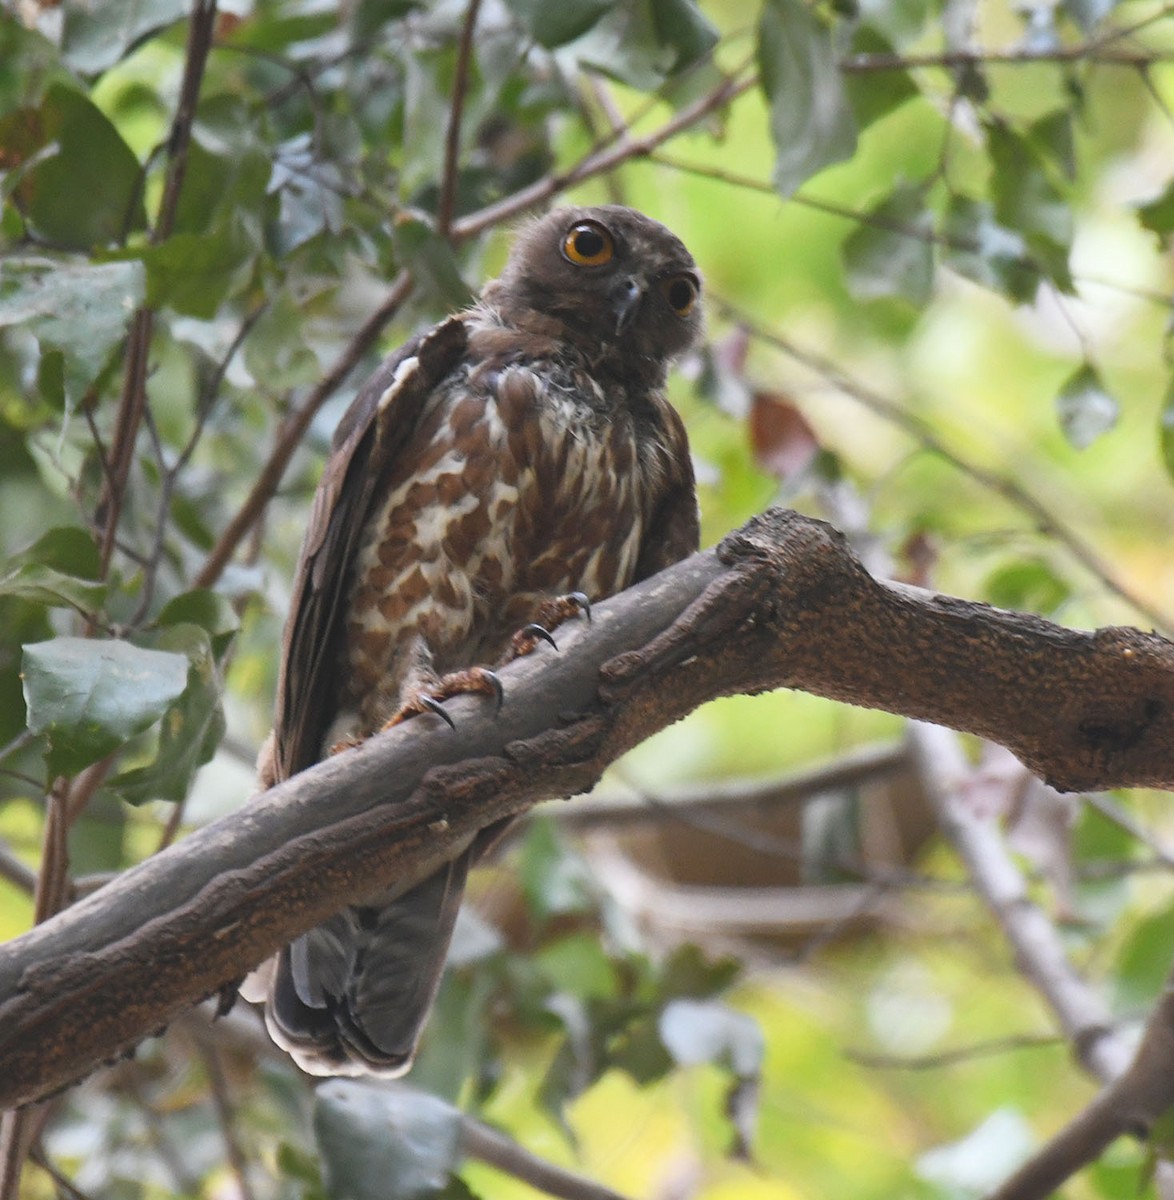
x=369, y=436
x=673, y=531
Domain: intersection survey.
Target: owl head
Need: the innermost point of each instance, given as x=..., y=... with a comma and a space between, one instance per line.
x=619, y=286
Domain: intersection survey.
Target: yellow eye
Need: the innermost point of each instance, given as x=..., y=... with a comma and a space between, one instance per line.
x=588, y=245
x=681, y=293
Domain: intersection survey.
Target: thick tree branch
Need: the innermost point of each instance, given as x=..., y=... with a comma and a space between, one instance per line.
x=781, y=603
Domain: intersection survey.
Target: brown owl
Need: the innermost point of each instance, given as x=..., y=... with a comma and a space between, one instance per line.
x=499, y=471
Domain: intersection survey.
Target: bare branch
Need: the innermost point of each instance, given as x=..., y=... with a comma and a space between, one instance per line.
x=483, y=1142
x=134, y=388
x=452, y=137
x=1039, y=952
x=781, y=603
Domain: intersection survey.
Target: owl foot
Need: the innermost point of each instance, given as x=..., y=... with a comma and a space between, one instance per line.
x=550, y=615
x=474, y=680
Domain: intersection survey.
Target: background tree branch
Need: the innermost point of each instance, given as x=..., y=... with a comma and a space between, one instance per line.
x=781, y=603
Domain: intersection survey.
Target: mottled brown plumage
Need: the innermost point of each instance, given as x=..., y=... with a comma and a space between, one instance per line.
x=519, y=451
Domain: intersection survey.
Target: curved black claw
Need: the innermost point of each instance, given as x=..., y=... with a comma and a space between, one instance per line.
x=540, y=632
x=583, y=601
x=491, y=678
x=434, y=706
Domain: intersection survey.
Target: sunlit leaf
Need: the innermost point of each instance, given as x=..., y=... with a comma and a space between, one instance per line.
x=810, y=118
x=1085, y=408
x=1088, y=14
x=88, y=696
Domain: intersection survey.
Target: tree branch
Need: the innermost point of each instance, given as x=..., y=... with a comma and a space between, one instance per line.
x=781, y=603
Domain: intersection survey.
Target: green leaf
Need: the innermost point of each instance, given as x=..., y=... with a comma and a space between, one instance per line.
x=875, y=94
x=88, y=696
x=384, y=1143
x=577, y=964
x=810, y=118
x=1086, y=410
x=1143, y=962
x=891, y=252
x=1028, y=201
x=1166, y=429
x=645, y=42
x=67, y=548
x=191, y=729
x=707, y=1031
x=86, y=190
x=1157, y=215
x=194, y=273
x=78, y=308
x=368, y=17
x=209, y=610
x=682, y=25
x=276, y=349
x=554, y=879
x=689, y=973
x=99, y=33
x=1053, y=138
x=46, y=585
x=553, y=25
x=1088, y=14
x=431, y=260
x=1028, y=585
x=983, y=250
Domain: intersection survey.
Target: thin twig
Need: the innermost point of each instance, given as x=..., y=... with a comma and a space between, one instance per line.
x=452, y=137
x=134, y=387
x=237, y=1162
x=949, y=1058
x=485, y=1143
x=1039, y=950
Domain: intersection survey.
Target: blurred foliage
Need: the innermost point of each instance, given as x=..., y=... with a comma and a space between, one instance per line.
x=935, y=237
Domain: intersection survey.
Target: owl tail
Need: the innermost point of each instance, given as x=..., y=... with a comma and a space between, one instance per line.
x=351, y=996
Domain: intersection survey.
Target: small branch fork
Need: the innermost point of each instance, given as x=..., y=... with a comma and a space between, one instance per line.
x=781, y=603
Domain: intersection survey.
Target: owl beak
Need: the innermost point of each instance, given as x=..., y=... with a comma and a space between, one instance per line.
x=625, y=298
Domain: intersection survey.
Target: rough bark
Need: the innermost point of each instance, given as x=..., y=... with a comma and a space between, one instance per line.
x=781, y=603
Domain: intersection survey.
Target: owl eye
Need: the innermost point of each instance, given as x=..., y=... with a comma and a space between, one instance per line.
x=588, y=245
x=681, y=293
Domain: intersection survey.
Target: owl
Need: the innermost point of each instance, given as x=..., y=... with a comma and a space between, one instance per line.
x=494, y=476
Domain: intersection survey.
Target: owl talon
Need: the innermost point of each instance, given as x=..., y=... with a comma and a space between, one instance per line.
x=537, y=633
x=582, y=602
x=435, y=706
x=550, y=615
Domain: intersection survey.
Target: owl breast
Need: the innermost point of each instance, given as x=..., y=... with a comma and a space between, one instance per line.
x=519, y=484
